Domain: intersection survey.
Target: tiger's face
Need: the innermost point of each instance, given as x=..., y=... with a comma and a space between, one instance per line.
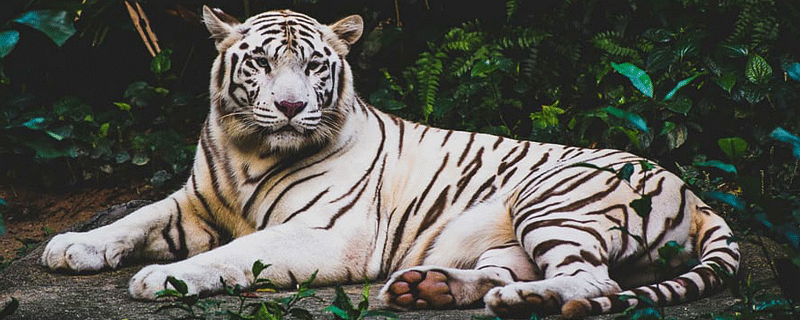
x=280, y=79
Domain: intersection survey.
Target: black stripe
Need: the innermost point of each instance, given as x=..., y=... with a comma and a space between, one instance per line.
x=434, y=211
x=466, y=149
x=545, y=246
x=307, y=206
x=277, y=199
x=221, y=69
x=430, y=184
x=213, y=156
x=398, y=236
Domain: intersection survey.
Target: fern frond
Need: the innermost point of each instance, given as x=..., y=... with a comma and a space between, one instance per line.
x=512, y=6
x=609, y=42
x=428, y=72
x=522, y=38
x=459, y=39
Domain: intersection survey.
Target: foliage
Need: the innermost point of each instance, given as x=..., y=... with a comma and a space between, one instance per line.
x=286, y=307
x=279, y=308
x=343, y=308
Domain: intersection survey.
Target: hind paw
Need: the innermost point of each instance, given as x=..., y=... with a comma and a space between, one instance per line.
x=510, y=301
x=418, y=289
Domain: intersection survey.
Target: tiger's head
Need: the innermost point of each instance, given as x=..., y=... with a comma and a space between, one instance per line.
x=280, y=80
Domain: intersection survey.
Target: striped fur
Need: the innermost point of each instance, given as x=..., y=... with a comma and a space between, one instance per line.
x=293, y=169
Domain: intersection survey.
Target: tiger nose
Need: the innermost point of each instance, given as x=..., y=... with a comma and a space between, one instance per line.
x=290, y=109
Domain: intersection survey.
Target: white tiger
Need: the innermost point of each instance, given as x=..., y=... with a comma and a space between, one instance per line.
x=293, y=169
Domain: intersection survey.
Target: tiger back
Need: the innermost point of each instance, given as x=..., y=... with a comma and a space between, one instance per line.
x=293, y=169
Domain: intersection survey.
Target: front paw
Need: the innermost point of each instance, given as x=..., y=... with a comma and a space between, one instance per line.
x=199, y=279
x=87, y=251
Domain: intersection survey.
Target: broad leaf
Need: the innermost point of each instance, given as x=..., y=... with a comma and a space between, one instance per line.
x=37, y=123
x=8, y=40
x=733, y=147
x=162, y=62
x=680, y=84
x=729, y=168
x=757, y=69
x=728, y=198
x=682, y=105
x=637, y=76
x=258, y=267
x=178, y=284
x=726, y=81
x=625, y=172
x=57, y=25
x=793, y=71
x=633, y=118
x=643, y=205
x=782, y=135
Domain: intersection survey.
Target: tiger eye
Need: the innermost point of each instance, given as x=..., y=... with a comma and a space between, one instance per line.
x=263, y=62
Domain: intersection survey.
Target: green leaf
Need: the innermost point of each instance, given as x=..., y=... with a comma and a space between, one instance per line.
x=123, y=106
x=169, y=293
x=38, y=123
x=8, y=40
x=660, y=58
x=726, y=81
x=680, y=84
x=258, y=267
x=548, y=117
x=57, y=25
x=757, y=69
x=670, y=250
x=728, y=198
x=633, y=118
x=793, y=71
x=729, y=168
x=162, y=62
x=734, y=50
x=637, y=76
x=733, y=147
x=339, y=313
x=625, y=172
x=643, y=205
x=60, y=133
x=782, y=135
x=682, y=105
x=178, y=284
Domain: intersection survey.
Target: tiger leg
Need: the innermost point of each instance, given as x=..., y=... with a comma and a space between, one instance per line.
x=573, y=264
x=294, y=251
x=430, y=287
x=165, y=230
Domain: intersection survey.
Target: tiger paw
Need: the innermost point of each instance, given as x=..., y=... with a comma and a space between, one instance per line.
x=199, y=279
x=417, y=289
x=518, y=301
x=85, y=251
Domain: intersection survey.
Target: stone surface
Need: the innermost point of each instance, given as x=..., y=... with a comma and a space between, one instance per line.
x=47, y=295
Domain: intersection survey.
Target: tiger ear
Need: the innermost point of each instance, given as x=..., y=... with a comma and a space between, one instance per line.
x=218, y=23
x=349, y=29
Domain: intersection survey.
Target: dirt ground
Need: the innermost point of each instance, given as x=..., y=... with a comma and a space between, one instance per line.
x=34, y=214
